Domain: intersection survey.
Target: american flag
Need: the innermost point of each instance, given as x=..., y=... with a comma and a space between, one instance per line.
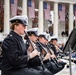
x=1, y=6
x=61, y=8
x=31, y=8
x=14, y=7
x=46, y=10
x=75, y=11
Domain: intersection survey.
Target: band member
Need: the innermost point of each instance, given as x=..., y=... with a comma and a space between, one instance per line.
x=31, y=46
x=36, y=62
x=50, y=61
x=53, y=43
x=14, y=52
x=43, y=39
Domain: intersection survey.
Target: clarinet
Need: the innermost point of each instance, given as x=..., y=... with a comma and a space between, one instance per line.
x=54, y=60
x=33, y=46
x=43, y=48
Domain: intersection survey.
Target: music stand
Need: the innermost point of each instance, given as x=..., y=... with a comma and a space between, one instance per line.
x=70, y=44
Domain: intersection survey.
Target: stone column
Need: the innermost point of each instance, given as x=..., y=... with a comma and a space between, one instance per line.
x=70, y=17
x=24, y=7
x=55, y=26
x=40, y=24
x=6, y=17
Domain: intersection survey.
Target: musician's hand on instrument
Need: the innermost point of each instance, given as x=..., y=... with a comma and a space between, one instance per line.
x=53, y=56
x=47, y=56
x=30, y=49
x=34, y=53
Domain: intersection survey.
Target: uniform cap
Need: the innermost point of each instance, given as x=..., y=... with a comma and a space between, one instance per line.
x=33, y=31
x=20, y=19
x=54, y=38
x=45, y=35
